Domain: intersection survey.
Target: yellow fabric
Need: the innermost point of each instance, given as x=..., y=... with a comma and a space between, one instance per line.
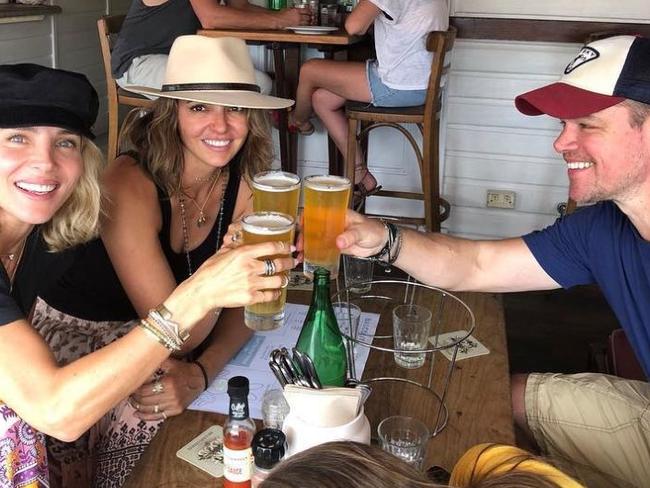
x=484, y=460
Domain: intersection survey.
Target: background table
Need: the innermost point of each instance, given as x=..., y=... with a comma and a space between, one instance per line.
x=478, y=402
x=286, y=58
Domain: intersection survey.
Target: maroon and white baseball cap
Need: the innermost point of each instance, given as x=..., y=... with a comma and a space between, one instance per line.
x=604, y=73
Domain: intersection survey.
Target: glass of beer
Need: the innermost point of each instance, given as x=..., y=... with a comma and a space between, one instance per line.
x=265, y=227
x=276, y=191
x=326, y=200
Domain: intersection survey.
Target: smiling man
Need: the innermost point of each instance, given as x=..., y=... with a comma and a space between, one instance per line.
x=598, y=425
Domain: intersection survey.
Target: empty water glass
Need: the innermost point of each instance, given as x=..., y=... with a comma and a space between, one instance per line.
x=411, y=331
x=405, y=438
x=348, y=316
x=358, y=274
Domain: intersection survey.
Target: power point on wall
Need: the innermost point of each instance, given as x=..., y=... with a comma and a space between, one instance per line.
x=500, y=199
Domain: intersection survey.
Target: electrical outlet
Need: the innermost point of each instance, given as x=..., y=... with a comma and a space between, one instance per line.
x=500, y=199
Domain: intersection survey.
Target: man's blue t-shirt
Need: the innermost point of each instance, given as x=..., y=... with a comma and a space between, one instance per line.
x=599, y=244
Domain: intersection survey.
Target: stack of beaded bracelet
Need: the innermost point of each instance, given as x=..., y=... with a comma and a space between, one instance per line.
x=159, y=325
x=389, y=253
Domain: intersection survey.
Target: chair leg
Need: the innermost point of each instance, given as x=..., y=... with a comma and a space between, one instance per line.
x=351, y=153
x=113, y=115
x=430, y=177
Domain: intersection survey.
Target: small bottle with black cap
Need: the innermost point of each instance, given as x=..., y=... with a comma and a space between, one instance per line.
x=238, y=432
x=269, y=446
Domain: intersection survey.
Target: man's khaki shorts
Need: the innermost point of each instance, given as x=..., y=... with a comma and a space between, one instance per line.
x=598, y=425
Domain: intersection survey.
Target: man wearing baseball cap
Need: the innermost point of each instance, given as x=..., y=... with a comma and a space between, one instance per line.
x=596, y=426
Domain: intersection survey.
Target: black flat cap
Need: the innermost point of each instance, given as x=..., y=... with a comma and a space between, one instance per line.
x=33, y=95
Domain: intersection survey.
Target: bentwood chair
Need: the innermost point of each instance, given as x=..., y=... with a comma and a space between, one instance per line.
x=363, y=118
x=108, y=27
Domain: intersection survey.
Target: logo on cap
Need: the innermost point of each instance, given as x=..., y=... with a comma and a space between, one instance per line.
x=585, y=55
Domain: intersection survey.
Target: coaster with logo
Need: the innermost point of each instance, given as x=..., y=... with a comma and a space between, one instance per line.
x=205, y=451
x=468, y=348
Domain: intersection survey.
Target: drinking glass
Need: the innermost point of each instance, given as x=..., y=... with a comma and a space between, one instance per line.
x=276, y=191
x=326, y=200
x=411, y=330
x=265, y=227
x=358, y=274
x=347, y=315
x=405, y=438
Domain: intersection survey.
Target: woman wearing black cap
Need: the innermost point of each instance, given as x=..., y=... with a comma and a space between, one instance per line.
x=49, y=195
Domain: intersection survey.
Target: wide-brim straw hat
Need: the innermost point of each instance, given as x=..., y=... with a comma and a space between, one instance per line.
x=216, y=71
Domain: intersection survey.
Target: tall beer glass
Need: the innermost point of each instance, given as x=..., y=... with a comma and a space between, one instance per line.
x=276, y=191
x=326, y=200
x=267, y=227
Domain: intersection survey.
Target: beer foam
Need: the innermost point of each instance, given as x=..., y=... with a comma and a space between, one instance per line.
x=267, y=223
x=328, y=183
x=276, y=183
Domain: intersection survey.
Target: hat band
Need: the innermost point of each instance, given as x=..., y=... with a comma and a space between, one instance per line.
x=211, y=87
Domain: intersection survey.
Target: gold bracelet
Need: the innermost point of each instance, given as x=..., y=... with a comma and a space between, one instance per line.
x=157, y=334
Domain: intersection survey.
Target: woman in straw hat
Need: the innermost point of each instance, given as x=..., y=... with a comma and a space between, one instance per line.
x=49, y=197
x=170, y=198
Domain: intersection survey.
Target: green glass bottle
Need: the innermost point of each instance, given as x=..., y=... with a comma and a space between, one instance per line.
x=320, y=337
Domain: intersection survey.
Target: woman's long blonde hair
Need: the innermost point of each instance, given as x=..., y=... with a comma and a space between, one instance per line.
x=77, y=220
x=155, y=137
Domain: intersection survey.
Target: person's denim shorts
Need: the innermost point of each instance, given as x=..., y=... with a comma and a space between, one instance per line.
x=385, y=96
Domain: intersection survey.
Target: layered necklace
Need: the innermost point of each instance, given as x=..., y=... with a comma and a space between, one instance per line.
x=11, y=260
x=214, y=177
x=201, y=220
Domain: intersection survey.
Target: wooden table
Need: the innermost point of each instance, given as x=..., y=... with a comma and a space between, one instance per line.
x=478, y=402
x=286, y=57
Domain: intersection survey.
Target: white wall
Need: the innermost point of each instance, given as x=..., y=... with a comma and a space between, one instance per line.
x=596, y=10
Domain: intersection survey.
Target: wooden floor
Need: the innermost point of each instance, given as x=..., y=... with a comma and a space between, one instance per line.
x=552, y=331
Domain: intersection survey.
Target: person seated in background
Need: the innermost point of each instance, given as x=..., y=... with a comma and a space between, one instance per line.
x=397, y=78
x=169, y=201
x=598, y=424
x=355, y=465
x=49, y=198
x=150, y=27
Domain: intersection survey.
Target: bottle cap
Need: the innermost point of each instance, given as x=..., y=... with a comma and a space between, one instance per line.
x=238, y=386
x=268, y=446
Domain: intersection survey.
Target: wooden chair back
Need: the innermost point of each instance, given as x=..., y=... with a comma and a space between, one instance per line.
x=108, y=28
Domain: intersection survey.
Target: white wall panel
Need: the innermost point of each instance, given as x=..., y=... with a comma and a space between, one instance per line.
x=601, y=10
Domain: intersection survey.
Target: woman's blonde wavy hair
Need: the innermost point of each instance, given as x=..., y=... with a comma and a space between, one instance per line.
x=77, y=220
x=154, y=136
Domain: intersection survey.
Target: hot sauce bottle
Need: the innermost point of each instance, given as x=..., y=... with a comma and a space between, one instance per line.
x=238, y=434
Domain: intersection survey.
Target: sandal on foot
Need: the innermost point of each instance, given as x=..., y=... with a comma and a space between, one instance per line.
x=361, y=191
x=304, y=129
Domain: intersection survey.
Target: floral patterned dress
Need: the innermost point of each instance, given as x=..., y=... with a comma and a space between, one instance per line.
x=22, y=453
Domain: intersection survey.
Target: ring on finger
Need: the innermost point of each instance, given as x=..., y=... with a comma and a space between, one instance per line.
x=136, y=405
x=157, y=388
x=236, y=236
x=156, y=408
x=285, y=281
x=164, y=415
x=269, y=267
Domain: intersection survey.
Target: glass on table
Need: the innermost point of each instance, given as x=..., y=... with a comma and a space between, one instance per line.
x=261, y=227
x=358, y=274
x=276, y=191
x=326, y=201
x=411, y=331
x=405, y=438
x=312, y=5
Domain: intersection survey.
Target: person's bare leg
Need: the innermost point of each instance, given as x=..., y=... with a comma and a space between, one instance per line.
x=523, y=434
x=344, y=78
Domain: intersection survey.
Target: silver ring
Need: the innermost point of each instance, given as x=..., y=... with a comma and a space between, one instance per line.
x=156, y=408
x=164, y=415
x=269, y=267
x=236, y=236
x=285, y=281
x=136, y=405
x=157, y=388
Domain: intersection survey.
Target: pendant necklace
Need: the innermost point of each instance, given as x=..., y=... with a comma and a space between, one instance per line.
x=13, y=258
x=186, y=234
x=202, y=219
